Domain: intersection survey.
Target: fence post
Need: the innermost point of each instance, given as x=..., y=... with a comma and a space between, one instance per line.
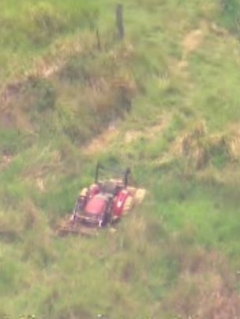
x=119, y=21
x=98, y=40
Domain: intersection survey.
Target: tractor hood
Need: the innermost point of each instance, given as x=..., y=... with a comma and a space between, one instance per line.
x=96, y=205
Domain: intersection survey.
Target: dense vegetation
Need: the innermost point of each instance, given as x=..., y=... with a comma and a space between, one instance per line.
x=164, y=101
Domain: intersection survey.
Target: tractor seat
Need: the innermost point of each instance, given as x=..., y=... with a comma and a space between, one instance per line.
x=109, y=187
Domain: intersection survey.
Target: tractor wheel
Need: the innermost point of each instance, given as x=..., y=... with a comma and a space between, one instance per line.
x=128, y=205
x=83, y=192
x=139, y=195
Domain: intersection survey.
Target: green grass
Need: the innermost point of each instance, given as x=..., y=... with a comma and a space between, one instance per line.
x=181, y=245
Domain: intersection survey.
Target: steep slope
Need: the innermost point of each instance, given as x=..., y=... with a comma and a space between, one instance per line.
x=165, y=102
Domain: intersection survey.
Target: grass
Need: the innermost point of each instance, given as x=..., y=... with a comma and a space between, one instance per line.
x=180, y=246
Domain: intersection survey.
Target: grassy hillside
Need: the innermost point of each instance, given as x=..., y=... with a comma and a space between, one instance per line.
x=165, y=102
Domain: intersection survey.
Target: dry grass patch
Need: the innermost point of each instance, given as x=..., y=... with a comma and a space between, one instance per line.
x=206, y=286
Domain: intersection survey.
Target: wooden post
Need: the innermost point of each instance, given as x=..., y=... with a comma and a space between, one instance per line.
x=98, y=40
x=119, y=21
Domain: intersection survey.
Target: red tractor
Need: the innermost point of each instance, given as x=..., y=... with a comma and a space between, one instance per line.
x=104, y=201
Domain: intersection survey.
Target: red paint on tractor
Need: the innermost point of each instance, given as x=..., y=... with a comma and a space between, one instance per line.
x=96, y=206
x=119, y=202
x=94, y=189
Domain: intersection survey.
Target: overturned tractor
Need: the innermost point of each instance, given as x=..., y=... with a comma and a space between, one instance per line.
x=103, y=203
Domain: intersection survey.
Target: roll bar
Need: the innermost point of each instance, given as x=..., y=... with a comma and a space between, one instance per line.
x=123, y=173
